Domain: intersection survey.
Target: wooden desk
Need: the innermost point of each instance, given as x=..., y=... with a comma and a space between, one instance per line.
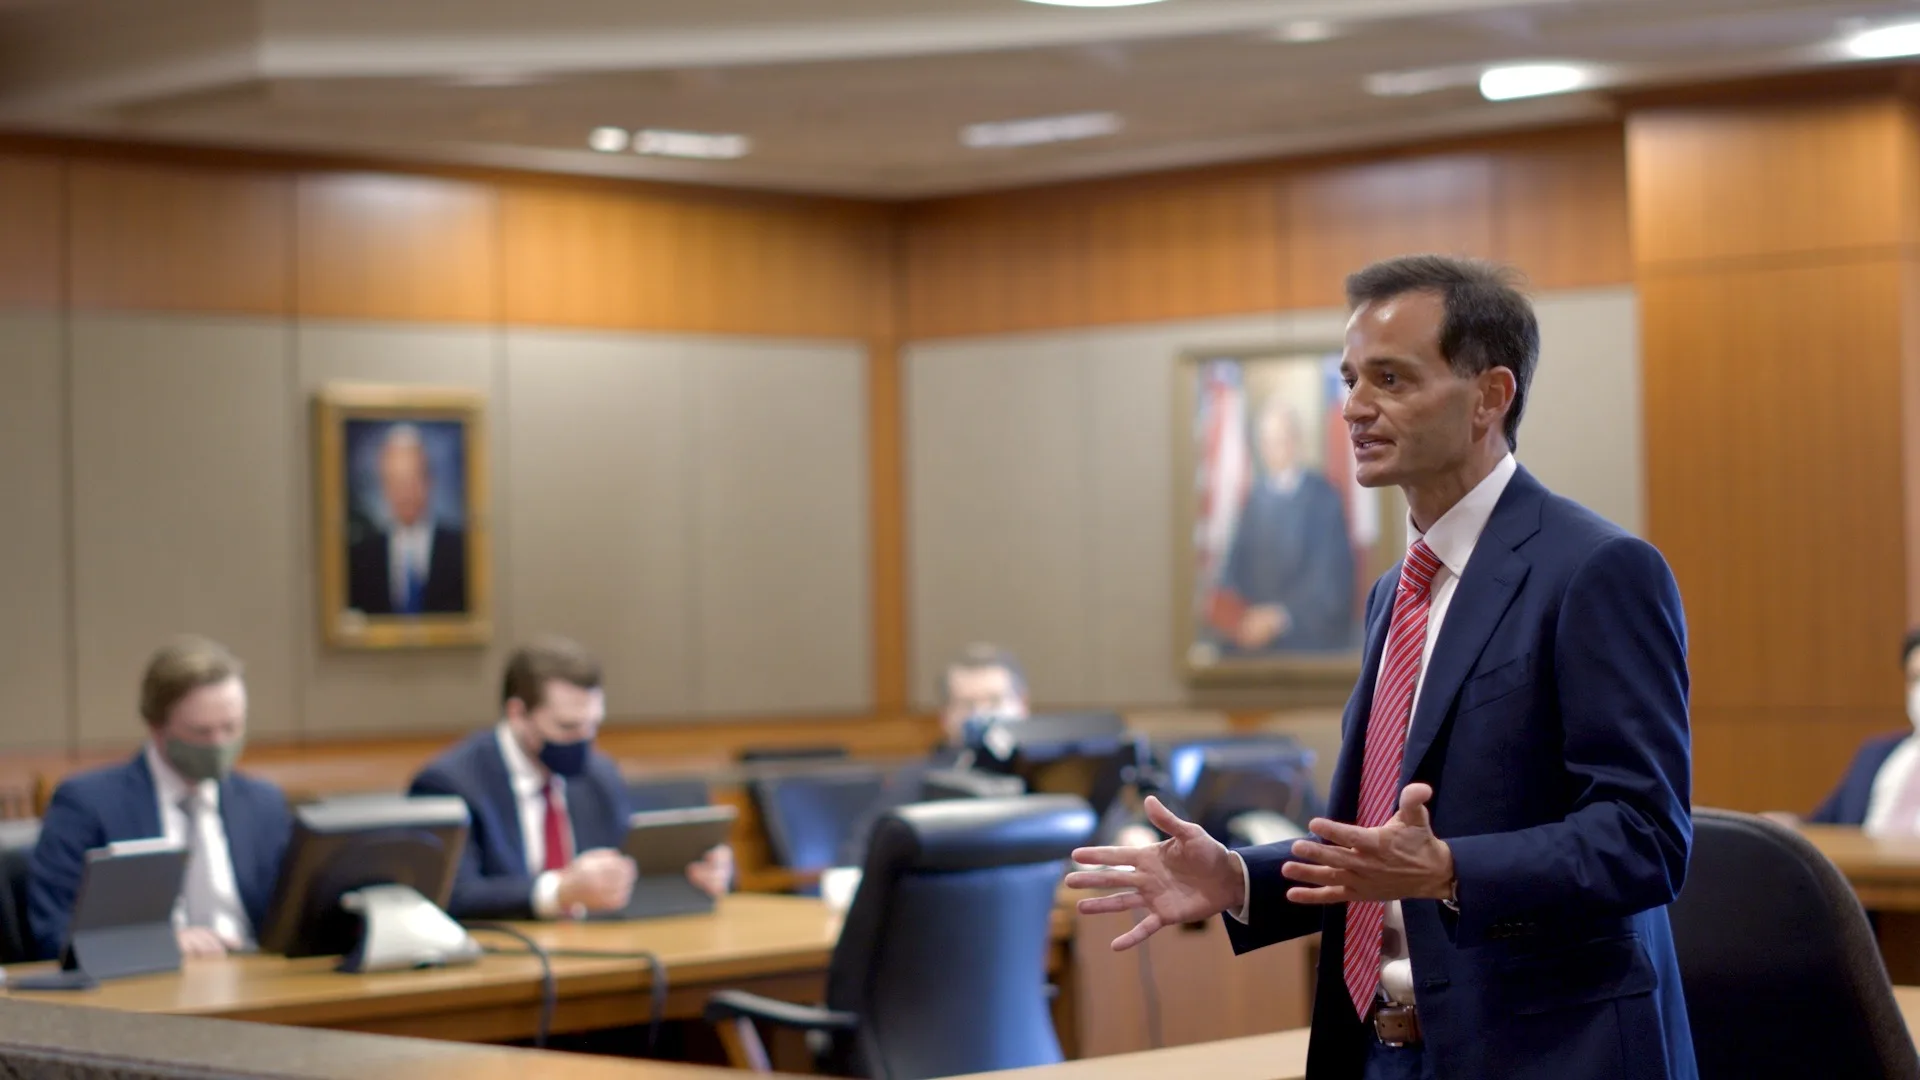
x=1279, y=1056
x=775, y=945
x=1885, y=873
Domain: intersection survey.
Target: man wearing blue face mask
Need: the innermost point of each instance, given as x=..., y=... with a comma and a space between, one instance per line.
x=548, y=812
x=181, y=786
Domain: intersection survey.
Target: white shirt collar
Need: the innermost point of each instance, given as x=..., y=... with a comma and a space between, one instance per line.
x=1453, y=537
x=528, y=778
x=1287, y=481
x=170, y=786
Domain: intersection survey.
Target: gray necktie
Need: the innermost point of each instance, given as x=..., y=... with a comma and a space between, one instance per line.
x=196, y=891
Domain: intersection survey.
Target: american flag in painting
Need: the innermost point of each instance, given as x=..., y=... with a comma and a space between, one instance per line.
x=1225, y=469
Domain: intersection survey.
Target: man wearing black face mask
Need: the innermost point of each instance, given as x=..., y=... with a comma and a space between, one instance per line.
x=548, y=813
x=180, y=786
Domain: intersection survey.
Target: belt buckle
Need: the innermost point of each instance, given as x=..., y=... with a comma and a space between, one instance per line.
x=1396, y=1026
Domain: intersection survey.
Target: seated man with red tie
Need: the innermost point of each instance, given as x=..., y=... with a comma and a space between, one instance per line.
x=181, y=786
x=1881, y=789
x=548, y=812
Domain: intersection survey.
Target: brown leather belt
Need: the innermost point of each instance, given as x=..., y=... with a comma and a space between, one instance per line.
x=1396, y=1025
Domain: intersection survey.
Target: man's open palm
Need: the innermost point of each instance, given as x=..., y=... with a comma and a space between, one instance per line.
x=1185, y=878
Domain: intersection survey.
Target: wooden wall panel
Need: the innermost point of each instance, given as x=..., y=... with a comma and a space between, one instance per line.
x=1780, y=508
x=1793, y=180
x=1781, y=759
x=1340, y=219
x=161, y=238
x=1560, y=208
x=574, y=257
x=396, y=247
x=32, y=243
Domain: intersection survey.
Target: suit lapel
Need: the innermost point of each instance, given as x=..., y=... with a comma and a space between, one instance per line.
x=506, y=801
x=1481, y=598
x=1343, y=797
x=143, y=804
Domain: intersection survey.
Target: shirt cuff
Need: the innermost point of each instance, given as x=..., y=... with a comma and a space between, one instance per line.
x=546, y=895
x=1246, y=889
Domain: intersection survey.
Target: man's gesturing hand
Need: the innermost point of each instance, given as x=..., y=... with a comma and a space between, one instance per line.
x=1185, y=878
x=1401, y=860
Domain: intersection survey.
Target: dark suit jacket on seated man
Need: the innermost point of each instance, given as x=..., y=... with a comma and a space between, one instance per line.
x=415, y=567
x=179, y=786
x=549, y=812
x=1881, y=789
x=1511, y=803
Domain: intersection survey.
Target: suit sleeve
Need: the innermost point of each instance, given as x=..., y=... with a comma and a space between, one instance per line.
x=476, y=895
x=1619, y=661
x=70, y=829
x=276, y=831
x=1860, y=772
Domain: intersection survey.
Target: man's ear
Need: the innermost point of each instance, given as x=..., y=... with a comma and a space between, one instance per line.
x=1497, y=391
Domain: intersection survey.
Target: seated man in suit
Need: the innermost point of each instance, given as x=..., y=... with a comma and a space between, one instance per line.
x=984, y=681
x=181, y=785
x=1881, y=790
x=416, y=566
x=549, y=813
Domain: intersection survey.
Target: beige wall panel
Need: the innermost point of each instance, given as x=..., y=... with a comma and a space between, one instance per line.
x=1581, y=431
x=183, y=462
x=778, y=465
x=600, y=487
x=362, y=691
x=34, y=662
x=997, y=497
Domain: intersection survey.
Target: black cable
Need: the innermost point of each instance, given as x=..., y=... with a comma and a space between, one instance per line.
x=1150, y=992
x=549, y=986
x=656, y=983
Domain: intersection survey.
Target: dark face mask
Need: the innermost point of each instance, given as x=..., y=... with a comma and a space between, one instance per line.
x=197, y=762
x=566, y=758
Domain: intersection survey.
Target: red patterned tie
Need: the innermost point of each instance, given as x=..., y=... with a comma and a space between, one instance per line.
x=557, y=831
x=1386, y=746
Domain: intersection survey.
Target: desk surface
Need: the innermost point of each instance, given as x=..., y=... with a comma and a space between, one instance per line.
x=1884, y=871
x=1279, y=1056
x=749, y=937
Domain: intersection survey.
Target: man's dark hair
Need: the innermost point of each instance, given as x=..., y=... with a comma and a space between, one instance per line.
x=531, y=667
x=1489, y=322
x=1912, y=643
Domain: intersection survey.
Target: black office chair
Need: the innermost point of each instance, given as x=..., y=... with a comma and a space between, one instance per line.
x=941, y=967
x=1782, y=974
x=753, y=755
x=16, y=849
x=667, y=793
x=810, y=815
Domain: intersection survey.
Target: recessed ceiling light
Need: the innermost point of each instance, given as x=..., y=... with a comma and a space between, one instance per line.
x=1305, y=31
x=608, y=140
x=1530, y=80
x=690, y=144
x=1040, y=129
x=1094, y=3
x=1902, y=39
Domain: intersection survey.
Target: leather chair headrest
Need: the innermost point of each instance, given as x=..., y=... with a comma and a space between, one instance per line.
x=970, y=834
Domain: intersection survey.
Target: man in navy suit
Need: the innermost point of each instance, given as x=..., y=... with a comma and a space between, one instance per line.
x=417, y=566
x=1881, y=789
x=181, y=786
x=548, y=812
x=1512, y=794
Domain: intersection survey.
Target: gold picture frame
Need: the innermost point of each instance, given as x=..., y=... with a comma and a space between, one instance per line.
x=1267, y=516
x=402, y=505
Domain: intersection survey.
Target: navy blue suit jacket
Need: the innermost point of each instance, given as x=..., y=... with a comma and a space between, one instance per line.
x=493, y=882
x=1847, y=805
x=108, y=805
x=1552, y=724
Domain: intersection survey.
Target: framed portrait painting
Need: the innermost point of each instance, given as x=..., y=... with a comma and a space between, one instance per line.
x=1277, y=542
x=402, y=511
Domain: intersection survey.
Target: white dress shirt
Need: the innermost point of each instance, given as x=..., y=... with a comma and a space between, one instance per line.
x=1885, y=795
x=529, y=779
x=1452, y=540
x=408, y=546
x=209, y=834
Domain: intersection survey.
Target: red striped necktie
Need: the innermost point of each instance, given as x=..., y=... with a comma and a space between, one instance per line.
x=1386, y=746
x=558, y=832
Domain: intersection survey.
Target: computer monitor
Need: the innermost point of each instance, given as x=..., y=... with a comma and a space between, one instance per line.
x=328, y=899
x=1084, y=754
x=1216, y=783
